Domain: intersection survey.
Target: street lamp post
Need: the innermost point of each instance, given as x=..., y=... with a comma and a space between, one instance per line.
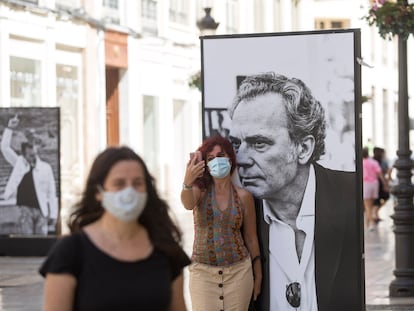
x=403, y=284
x=207, y=24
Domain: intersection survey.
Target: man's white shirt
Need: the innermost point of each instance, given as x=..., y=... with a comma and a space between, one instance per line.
x=284, y=265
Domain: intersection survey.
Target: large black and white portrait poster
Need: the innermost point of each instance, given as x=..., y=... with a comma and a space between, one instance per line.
x=29, y=171
x=289, y=103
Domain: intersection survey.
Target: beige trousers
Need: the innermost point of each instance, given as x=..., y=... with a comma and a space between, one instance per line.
x=215, y=288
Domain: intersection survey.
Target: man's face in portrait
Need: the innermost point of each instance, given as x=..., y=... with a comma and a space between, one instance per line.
x=30, y=155
x=266, y=156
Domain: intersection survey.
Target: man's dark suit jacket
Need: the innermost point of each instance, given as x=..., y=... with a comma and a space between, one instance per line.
x=338, y=244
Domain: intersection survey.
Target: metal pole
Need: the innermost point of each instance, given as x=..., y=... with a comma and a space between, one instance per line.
x=403, y=284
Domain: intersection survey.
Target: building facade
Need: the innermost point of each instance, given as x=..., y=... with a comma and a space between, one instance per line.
x=119, y=71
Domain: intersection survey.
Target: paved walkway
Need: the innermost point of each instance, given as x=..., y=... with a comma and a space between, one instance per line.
x=21, y=288
x=379, y=265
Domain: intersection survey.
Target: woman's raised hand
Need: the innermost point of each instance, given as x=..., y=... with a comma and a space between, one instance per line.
x=195, y=169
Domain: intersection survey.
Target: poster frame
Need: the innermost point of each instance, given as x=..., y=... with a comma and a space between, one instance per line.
x=220, y=53
x=41, y=127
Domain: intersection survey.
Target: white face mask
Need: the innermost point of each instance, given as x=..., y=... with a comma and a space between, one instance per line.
x=126, y=205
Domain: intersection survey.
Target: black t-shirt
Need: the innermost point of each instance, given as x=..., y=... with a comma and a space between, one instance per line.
x=106, y=283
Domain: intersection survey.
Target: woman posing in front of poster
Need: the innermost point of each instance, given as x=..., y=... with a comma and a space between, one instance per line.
x=226, y=271
x=124, y=252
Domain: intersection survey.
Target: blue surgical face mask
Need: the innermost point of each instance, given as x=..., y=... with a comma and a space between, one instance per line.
x=219, y=167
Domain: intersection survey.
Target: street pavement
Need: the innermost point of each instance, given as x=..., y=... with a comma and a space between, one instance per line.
x=21, y=287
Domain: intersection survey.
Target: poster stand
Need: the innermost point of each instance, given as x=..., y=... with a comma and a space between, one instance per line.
x=29, y=180
x=282, y=99
x=23, y=246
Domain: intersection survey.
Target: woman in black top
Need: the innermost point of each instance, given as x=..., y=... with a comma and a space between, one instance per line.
x=124, y=252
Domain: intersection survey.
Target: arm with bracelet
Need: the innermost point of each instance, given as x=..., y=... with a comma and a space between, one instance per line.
x=258, y=257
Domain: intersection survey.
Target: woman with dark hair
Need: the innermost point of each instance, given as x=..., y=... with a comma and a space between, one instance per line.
x=226, y=271
x=124, y=250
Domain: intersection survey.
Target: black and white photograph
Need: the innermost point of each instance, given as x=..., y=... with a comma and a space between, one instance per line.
x=29, y=171
x=290, y=103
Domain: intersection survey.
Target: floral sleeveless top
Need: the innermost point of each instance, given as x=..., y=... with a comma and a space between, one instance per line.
x=217, y=237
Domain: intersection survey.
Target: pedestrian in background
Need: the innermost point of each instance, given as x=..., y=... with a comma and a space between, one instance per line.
x=226, y=270
x=124, y=250
x=383, y=195
x=371, y=174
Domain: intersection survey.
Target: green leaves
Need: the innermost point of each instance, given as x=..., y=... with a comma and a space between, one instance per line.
x=195, y=81
x=393, y=18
